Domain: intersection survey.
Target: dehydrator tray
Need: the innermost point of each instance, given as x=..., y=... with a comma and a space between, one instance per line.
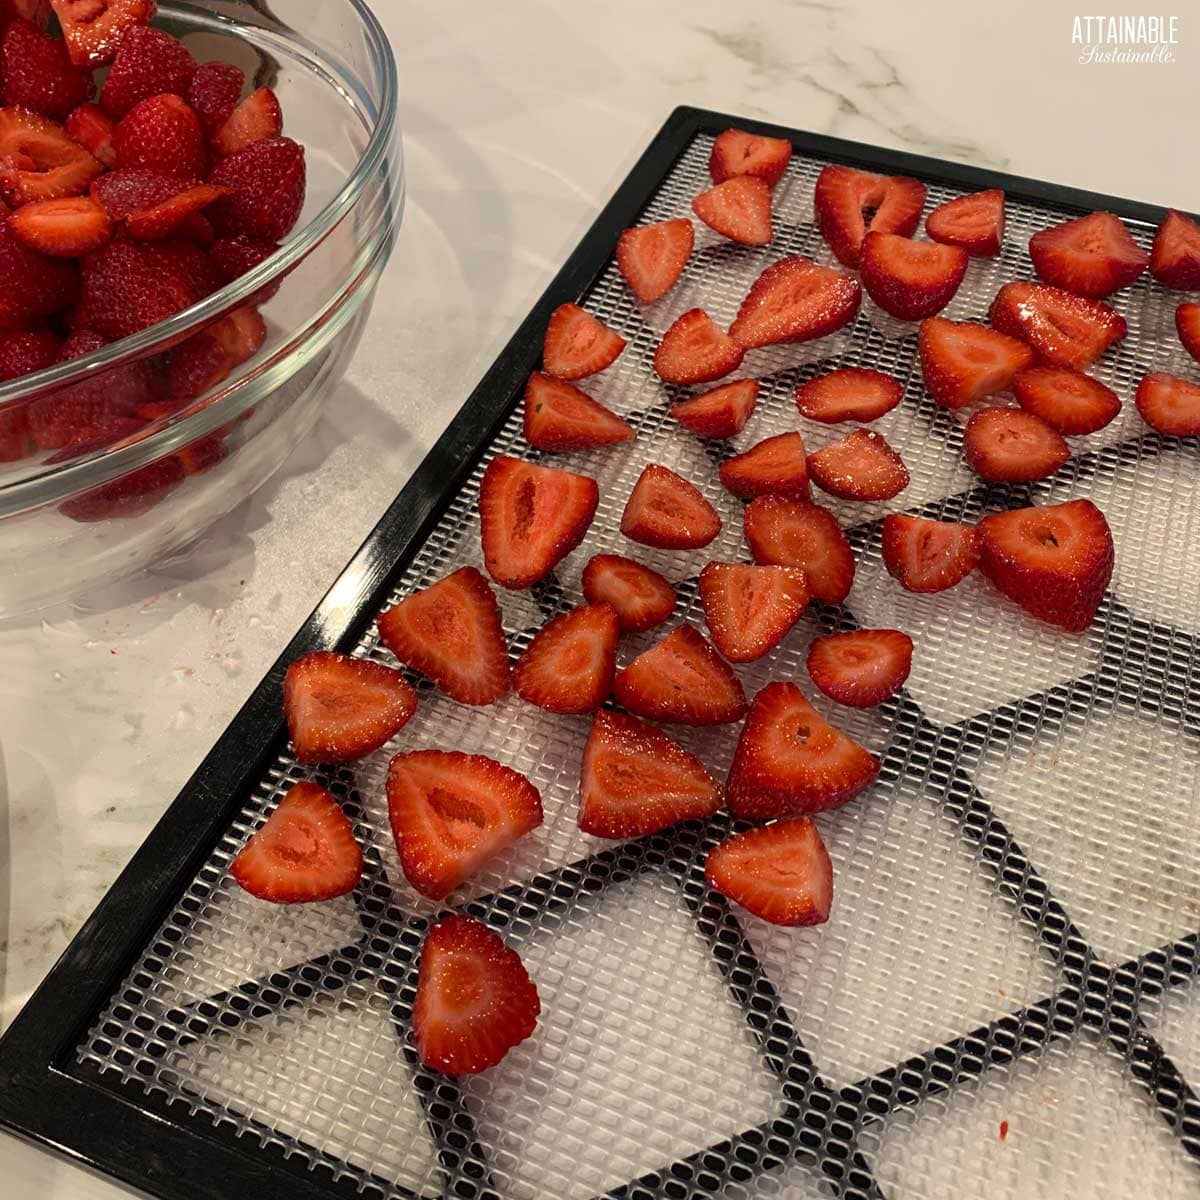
x=1002, y=1002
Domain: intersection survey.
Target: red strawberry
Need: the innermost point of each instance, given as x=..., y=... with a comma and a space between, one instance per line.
x=1091, y=256
x=1187, y=322
x=188, y=261
x=695, y=350
x=16, y=441
x=780, y=873
x=1067, y=400
x=928, y=556
x=795, y=300
x=569, y=665
x=206, y=359
x=860, y=466
x=775, y=466
x=255, y=119
x=665, y=510
x=862, y=667
x=963, y=362
x=1169, y=404
x=635, y=780
x=92, y=128
x=38, y=73
x=150, y=62
x=62, y=228
x=161, y=134
x=23, y=351
x=1175, y=255
x=202, y=455
x=736, y=153
x=340, y=708
x=749, y=609
x=197, y=228
x=475, y=1000
x=848, y=394
x=127, y=288
x=304, y=852
x=38, y=161
x=719, y=413
x=163, y=219
x=652, y=257
x=738, y=209
x=641, y=597
x=451, y=632
x=791, y=762
x=1010, y=445
x=450, y=812
x=267, y=181
x=214, y=92
x=787, y=532
x=32, y=286
x=1066, y=330
x=578, y=344
x=558, y=416
x=94, y=29
x=130, y=495
x=681, y=679
x=911, y=279
x=843, y=197
x=236, y=256
x=124, y=193
x=975, y=223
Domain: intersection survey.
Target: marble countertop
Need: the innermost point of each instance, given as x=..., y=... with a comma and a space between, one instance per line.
x=519, y=120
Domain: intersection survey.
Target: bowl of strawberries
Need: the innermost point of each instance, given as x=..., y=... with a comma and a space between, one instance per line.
x=196, y=203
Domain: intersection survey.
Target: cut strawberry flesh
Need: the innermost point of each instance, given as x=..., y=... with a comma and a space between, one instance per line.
x=1071, y=402
x=795, y=300
x=861, y=466
x=750, y=609
x=38, y=161
x=1091, y=256
x=928, y=556
x=652, y=257
x=975, y=223
x=1169, y=404
x=569, y=666
x=1187, y=323
x=641, y=597
x=559, y=417
x=696, y=350
x=720, y=413
x=794, y=533
x=255, y=119
x=909, y=279
x=578, y=344
x=1175, y=255
x=736, y=153
x=1010, y=445
x=1064, y=329
x=849, y=204
x=665, y=510
x=739, y=209
x=862, y=667
x=848, y=394
x=776, y=466
x=962, y=363
x=93, y=29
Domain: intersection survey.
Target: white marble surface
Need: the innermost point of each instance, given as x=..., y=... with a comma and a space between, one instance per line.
x=519, y=120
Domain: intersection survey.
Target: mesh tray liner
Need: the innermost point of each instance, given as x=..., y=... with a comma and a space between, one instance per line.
x=1011, y=899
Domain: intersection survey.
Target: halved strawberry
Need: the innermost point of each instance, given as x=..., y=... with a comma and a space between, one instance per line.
x=451, y=632
x=739, y=209
x=635, y=780
x=149, y=62
x=975, y=223
x=558, y=416
x=780, y=873
x=569, y=665
x=719, y=413
x=32, y=286
x=94, y=29
x=1069, y=401
x=340, y=708
x=1010, y=445
x=131, y=495
x=641, y=597
x=848, y=394
x=928, y=556
x=1066, y=330
x=267, y=182
x=681, y=679
x=665, y=510
x=861, y=667
x=785, y=532
x=749, y=609
x=791, y=762
x=37, y=72
x=1054, y=561
x=38, y=161
x=214, y=92
x=578, y=344
x=963, y=362
x=1187, y=323
x=1175, y=254
x=164, y=218
x=1091, y=256
x=475, y=1000
x=63, y=228
x=775, y=466
x=795, y=300
x=124, y=193
x=305, y=851
x=860, y=466
x=450, y=812
x=910, y=279
x=844, y=196
x=92, y=128
x=737, y=153
x=161, y=134
x=530, y=518
x=256, y=118
x=695, y=350
x=652, y=257
x=1169, y=404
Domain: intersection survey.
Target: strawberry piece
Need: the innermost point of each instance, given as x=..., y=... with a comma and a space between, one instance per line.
x=1091, y=256
x=642, y=598
x=23, y=351
x=38, y=73
x=860, y=466
x=236, y=256
x=1064, y=329
x=131, y=495
x=161, y=134
x=163, y=219
x=775, y=466
x=681, y=679
x=750, y=609
x=62, y=228
x=150, y=62
x=780, y=873
x=963, y=362
x=1187, y=322
x=340, y=708
x=92, y=128
x=569, y=666
x=848, y=394
x=202, y=455
x=786, y=532
x=16, y=441
x=186, y=260
x=1010, y=445
x=32, y=286
x=255, y=119
x=36, y=12
x=737, y=153
x=558, y=416
x=1071, y=402
x=911, y=279
x=38, y=161
x=635, y=780
x=196, y=227
x=214, y=92
x=206, y=360
x=451, y=632
x=843, y=197
x=124, y=193
x=665, y=510
x=652, y=257
x=862, y=667
x=305, y=851
x=795, y=300
x=94, y=30
x=695, y=350
x=974, y=223
x=738, y=209
x=578, y=344
x=451, y=812
x=1169, y=404
x=475, y=1000
x=127, y=288
x=267, y=182
x=791, y=762
x=719, y=413
x=1175, y=254
x=928, y=556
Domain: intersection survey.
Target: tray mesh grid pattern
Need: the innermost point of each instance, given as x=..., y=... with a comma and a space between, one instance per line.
x=1003, y=993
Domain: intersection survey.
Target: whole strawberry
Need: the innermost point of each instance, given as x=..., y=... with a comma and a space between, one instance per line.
x=267, y=180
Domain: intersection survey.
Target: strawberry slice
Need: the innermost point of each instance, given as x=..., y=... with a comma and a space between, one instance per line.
x=38, y=161
x=641, y=597
x=475, y=1000
x=776, y=466
x=165, y=218
x=738, y=209
x=780, y=873
x=569, y=666
x=1069, y=401
x=848, y=394
x=214, y=92
x=911, y=279
x=635, y=780
x=963, y=362
x=652, y=257
x=451, y=632
x=683, y=680
x=37, y=72
x=1066, y=330
x=305, y=851
x=736, y=153
x=695, y=350
x=860, y=466
x=665, y=510
x=531, y=518
x=1175, y=254
x=719, y=413
x=124, y=193
x=862, y=667
x=450, y=812
x=843, y=198
x=340, y=708
x=928, y=556
x=94, y=29
x=92, y=128
x=1169, y=404
x=974, y=223
x=1054, y=561
x=578, y=344
x=1010, y=445
x=1091, y=256
x=791, y=762
x=749, y=610
x=1187, y=322
x=559, y=417
x=785, y=532
x=255, y=119
x=65, y=228
x=795, y=300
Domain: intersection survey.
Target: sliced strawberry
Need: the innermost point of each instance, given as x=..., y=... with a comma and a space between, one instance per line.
x=450, y=812
x=92, y=128
x=719, y=413
x=1169, y=404
x=559, y=417
x=736, y=153
x=304, y=852
x=849, y=394
x=63, y=228
x=197, y=228
x=1069, y=401
x=652, y=257
x=928, y=556
x=95, y=29
x=124, y=193
x=163, y=219
x=635, y=780
x=749, y=609
x=234, y=257
x=795, y=300
x=451, y=632
x=214, y=92
x=267, y=181
x=911, y=279
x=1066, y=330
x=862, y=667
x=695, y=350
x=975, y=223
x=38, y=73
x=161, y=134
x=786, y=532
x=202, y=455
x=775, y=466
x=665, y=510
x=963, y=362
x=1175, y=255
x=860, y=466
x=1091, y=256
x=207, y=358
x=255, y=119
x=149, y=62
x=738, y=209
x=32, y=286
x=38, y=161
x=843, y=198
x=1010, y=445
x=1187, y=322
x=569, y=665
x=641, y=597
x=683, y=680
x=578, y=344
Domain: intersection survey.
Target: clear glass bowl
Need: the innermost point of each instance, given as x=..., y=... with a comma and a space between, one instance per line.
x=66, y=526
